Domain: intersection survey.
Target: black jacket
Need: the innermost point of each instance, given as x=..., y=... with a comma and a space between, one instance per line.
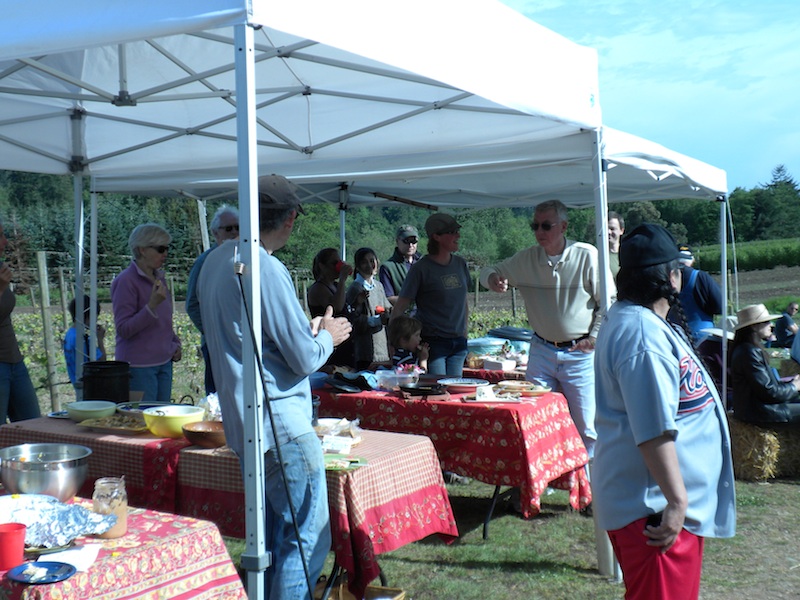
x=758, y=395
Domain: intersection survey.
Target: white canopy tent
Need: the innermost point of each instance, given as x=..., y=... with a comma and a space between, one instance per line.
x=447, y=103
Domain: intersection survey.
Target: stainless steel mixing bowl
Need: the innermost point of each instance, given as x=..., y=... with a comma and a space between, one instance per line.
x=54, y=469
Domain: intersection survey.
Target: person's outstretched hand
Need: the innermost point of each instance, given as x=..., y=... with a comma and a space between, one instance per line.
x=338, y=327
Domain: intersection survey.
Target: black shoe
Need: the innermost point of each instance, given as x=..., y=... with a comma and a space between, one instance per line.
x=587, y=511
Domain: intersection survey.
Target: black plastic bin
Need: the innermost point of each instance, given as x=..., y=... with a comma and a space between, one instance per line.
x=107, y=380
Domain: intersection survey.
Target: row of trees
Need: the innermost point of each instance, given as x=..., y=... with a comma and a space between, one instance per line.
x=37, y=211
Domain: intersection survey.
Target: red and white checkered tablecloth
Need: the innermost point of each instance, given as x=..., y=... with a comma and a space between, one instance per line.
x=398, y=498
x=148, y=463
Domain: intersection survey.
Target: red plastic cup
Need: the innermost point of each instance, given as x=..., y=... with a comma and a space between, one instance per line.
x=12, y=545
x=339, y=266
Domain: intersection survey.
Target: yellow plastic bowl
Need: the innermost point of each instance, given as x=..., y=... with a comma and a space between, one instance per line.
x=168, y=421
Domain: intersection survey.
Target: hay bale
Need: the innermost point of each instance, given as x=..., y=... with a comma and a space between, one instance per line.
x=755, y=451
x=761, y=453
x=789, y=453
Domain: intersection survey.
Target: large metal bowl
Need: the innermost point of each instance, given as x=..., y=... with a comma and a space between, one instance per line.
x=57, y=470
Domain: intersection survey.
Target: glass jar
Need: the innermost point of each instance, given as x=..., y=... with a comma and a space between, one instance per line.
x=110, y=498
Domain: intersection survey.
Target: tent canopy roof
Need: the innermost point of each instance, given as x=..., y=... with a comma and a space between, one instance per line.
x=475, y=104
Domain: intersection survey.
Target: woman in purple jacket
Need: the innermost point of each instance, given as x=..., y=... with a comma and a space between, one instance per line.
x=143, y=315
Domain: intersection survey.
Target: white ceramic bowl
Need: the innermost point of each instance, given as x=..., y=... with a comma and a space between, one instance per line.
x=168, y=421
x=90, y=409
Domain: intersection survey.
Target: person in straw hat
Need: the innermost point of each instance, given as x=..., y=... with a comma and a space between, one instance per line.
x=758, y=395
x=662, y=478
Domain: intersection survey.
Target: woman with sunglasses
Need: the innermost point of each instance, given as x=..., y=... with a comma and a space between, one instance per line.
x=438, y=283
x=143, y=315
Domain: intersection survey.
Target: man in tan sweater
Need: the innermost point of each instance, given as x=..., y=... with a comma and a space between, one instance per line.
x=560, y=283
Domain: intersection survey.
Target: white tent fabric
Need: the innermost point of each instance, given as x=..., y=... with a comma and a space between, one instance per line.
x=517, y=174
x=168, y=104
x=446, y=102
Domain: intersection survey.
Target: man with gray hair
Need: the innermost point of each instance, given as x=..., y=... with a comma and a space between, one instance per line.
x=292, y=349
x=224, y=226
x=560, y=283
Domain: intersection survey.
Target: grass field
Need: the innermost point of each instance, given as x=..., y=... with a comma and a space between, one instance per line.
x=552, y=556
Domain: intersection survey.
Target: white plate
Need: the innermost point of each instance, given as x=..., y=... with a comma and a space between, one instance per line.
x=463, y=381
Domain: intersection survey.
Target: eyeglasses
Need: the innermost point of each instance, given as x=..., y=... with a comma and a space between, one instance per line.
x=409, y=240
x=160, y=249
x=229, y=228
x=545, y=226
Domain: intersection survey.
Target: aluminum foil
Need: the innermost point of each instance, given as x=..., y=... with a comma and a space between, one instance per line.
x=51, y=523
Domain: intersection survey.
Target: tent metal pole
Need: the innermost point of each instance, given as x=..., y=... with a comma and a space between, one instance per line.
x=202, y=216
x=723, y=240
x=92, y=274
x=606, y=561
x=256, y=558
x=344, y=199
x=599, y=169
x=77, y=192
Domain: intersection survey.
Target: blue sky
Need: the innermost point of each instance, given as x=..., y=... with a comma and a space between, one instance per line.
x=718, y=80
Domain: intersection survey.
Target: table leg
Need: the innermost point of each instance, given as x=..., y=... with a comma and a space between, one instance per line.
x=495, y=497
x=336, y=572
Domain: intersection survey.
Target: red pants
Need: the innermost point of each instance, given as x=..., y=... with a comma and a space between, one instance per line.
x=651, y=575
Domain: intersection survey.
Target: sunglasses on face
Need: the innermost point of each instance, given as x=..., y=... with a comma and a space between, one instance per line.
x=160, y=249
x=545, y=226
x=229, y=228
x=410, y=240
x=449, y=232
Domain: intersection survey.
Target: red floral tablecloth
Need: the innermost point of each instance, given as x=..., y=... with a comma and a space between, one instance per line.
x=529, y=445
x=162, y=556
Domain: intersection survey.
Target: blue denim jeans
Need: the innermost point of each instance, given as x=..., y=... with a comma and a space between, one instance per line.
x=155, y=382
x=305, y=473
x=18, y=400
x=447, y=356
x=570, y=372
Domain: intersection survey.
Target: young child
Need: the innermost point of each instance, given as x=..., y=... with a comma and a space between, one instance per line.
x=405, y=336
x=71, y=348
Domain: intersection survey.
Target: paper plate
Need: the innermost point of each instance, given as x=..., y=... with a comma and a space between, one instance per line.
x=58, y=414
x=41, y=572
x=462, y=384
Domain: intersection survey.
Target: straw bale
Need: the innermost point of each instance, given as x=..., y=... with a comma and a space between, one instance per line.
x=755, y=451
x=761, y=453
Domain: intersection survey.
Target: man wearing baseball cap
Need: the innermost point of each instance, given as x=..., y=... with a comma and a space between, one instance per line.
x=662, y=479
x=394, y=269
x=292, y=349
